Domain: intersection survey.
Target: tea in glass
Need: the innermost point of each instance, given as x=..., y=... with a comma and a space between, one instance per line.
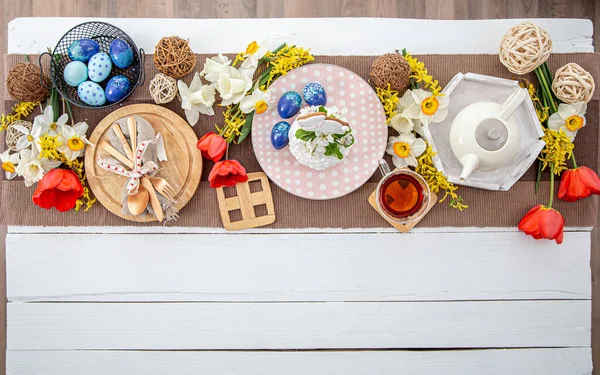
x=401, y=195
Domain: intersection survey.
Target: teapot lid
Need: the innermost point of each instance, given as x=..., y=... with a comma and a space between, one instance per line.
x=491, y=134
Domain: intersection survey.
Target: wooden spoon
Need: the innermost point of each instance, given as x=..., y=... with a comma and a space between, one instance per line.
x=132, y=135
x=138, y=202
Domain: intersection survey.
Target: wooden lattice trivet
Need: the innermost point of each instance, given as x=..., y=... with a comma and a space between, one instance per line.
x=404, y=228
x=245, y=201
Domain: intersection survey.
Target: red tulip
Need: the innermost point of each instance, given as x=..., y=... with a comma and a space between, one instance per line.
x=543, y=222
x=213, y=146
x=578, y=183
x=227, y=173
x=58, y=188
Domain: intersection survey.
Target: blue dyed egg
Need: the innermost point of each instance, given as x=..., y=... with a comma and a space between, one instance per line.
x=121, y=53
x=75, y=72
x=280, y=135
x=83, y=49
x=289, y=104
x=99, y=67
x=314, y=94
x=117, y=88
x=91, y=93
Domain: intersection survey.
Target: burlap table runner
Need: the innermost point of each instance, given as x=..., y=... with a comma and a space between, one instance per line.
x=486, y=208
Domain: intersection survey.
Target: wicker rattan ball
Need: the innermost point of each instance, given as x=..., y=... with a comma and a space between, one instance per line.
x=174, y=57
x=573, y=84
x=525, y=47
x=393, y=69
x=163, y=88
x=23, y=83
x=13, y=135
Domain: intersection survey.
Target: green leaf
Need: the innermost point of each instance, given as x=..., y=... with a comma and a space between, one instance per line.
x=322, y=109
x=305, y=135
x=247, y=127
x=333, y=149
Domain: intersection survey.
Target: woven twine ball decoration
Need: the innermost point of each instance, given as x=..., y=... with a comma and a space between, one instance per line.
x=393, y=69
x=573, y=84
x=525, y=47
x=163, y=88
x=13, y=135
x=174, y=57
x=23, y=83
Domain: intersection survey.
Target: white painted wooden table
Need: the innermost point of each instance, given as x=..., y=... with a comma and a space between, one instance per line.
x=296, y=302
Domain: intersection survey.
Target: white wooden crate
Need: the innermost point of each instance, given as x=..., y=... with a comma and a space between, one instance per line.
x=271, y=302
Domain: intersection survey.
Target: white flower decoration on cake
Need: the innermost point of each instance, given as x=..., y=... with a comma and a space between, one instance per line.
x=320, y=137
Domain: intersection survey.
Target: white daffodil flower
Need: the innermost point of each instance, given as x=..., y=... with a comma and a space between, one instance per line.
x=73, y=140
x=405, y=149
x=233, y=86
x=259, y=101
x=47, y=123
x=254, y=52
x=402, y=123
x=569, y=118
x=214, y=66
x=30, y=136
x=32, y=168
x=196, y=99
x=9, y=163
x=426, y=107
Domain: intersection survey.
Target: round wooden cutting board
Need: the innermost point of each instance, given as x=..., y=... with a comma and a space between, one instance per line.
x=182, y=170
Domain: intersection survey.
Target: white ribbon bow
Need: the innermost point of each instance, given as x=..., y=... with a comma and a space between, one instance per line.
x=138, y=170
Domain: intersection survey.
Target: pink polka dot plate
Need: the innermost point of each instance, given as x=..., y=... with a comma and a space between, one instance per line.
x=345, y=89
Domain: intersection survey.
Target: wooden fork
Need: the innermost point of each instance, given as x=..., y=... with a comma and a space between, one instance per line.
x=162, y=186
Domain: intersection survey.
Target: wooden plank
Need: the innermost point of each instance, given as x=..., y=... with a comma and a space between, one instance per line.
x=318, y=325
x=469, y=362
x=353, y=36
x=298, y=267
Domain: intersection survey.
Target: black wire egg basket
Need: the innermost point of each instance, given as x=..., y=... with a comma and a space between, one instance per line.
x=104, y=34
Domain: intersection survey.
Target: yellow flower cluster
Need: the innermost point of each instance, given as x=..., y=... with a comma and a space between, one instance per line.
x=388, y=98
x=558, y=150
x=419, y=73
x=19, y=111
x=77, y=167
x=233, y=121
x=49, y=147
x=437, y=181
x=286, y=59
x=540, y=109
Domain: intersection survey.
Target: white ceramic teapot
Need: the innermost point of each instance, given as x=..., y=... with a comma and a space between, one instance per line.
x=485, y=135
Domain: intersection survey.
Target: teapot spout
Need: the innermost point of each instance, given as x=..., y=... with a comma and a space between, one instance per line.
x=470, y=162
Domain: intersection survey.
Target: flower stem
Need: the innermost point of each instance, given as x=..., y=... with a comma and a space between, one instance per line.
x=539, y=72
x=227, y=152
x=551, y=185
x=573, y=160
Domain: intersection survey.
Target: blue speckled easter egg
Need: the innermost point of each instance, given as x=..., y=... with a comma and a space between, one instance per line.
x=314, y=94
x=289, y=104
x=75, y=72
x=91, y=93
x=83, y=49
x=117, y=88
x=280, y=135
x=121, y=53
x=99, y=67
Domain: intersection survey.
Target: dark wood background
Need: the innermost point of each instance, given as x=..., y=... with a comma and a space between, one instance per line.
x=426, y=9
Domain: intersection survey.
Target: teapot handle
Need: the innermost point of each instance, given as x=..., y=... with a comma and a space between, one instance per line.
x=510, y=105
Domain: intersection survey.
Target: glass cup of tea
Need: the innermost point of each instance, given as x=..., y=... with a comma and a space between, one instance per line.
x=402, y=195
